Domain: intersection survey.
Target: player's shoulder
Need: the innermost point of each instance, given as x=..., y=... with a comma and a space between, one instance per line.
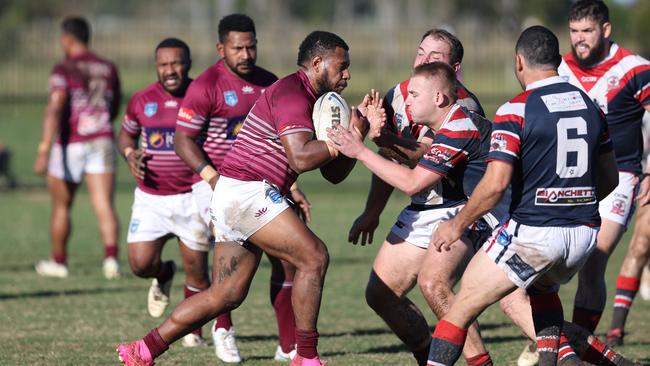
x=460, y=119
x=208, y=78
x=515, y=106
x=148, y=92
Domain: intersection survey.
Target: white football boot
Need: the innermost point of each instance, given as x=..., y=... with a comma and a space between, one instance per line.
x=111, y=268
x=529, y=356
x=49, y=268
x=282, y=356
x=225, y=345
x=158, y=298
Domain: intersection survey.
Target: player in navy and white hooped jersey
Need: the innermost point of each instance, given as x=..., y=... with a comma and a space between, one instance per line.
x=401, y=139
x=552, y=142
x=437, y=186
x=164, y=204
x=619, y=82
x=77, y=143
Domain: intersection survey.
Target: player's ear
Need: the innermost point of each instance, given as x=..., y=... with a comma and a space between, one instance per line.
x=221, y=49
x=607, y=29
x=456, y=67
x=519, y=63
x=317, y=63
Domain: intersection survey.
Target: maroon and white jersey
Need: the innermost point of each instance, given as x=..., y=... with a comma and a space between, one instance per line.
x=93, y=89
x=620, y=86
x=216, y=104
x=399, y=118
x=151, y=114
x=258, y=153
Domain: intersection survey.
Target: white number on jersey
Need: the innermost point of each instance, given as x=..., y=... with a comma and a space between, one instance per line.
x=566, y=145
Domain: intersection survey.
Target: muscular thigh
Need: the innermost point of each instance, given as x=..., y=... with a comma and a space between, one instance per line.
x=398, y=263
x=447, y=266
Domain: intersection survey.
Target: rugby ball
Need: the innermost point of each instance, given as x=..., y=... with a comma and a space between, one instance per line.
x=329, y=111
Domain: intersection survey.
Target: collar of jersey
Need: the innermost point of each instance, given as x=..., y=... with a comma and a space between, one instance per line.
x=544, y=82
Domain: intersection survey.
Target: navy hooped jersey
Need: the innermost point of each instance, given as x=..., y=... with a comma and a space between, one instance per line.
x=457, y=153
x=552, y=134
x=620, y=85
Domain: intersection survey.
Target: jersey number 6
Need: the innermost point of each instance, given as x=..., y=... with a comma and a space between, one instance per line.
x=576, y=146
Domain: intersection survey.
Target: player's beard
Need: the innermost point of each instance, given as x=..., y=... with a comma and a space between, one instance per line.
x=593, y=58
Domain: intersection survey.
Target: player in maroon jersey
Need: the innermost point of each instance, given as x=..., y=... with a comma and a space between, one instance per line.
x=619, y=82
x=248, y=207
x=164, y=205
x=77, y=142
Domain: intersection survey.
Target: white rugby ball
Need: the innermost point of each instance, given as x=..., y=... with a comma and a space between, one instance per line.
x=330, y=110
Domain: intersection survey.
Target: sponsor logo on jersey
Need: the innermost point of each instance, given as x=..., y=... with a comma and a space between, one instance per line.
x=618, y=207
x=561, y=102
x=234, y=126
x=150, y=109
x=613, y=82
x=261, y=212
x=247, y=89
x=171, y=104
x=185, y=114
x=588, y=79
x=571, y=196
x=439, y=155
x=230, y=97
x=498, y=143
x=160, y=139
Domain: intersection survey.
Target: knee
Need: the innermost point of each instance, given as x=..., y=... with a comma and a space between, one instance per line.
x=378, y=294
x=231, y=297
x=317, y=260
x=144, y=268
x=436, y=292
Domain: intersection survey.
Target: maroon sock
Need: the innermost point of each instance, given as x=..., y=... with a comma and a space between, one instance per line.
x=586, y=318
x=165, y=272
x=223, y=321
x=482, y=359
x=307, y=343
x=60, y=258
x=110, y=251
x=190, y=291
x=281, y=300
x=155, y=343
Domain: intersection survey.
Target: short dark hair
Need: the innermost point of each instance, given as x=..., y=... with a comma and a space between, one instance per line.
x=235, y=23
x=442, y=71
x=77, y=27
x=455, y=45
x=175, y=43
x=319, y=43
x=539, y=47
x=589, y=9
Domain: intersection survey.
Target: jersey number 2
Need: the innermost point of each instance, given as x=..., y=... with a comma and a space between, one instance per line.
x=576, y=146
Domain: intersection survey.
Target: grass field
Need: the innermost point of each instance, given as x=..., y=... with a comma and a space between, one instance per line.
x=79, y=320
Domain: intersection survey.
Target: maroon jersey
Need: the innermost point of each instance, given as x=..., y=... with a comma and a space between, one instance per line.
x=216, y=104
x=93, y=90
x=151, y=114
x=258, y=153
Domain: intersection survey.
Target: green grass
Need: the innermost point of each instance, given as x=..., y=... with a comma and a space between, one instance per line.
x=79, y=320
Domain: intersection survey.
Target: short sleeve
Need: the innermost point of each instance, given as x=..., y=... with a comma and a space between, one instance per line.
x=505, y=143
x=293, y=114
x=449, y=149
x=58, y=79
x=196, y=109
x=131, y=124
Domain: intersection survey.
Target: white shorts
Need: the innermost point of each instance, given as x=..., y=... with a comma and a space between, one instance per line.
x=155, y=216
x=202, y=193
x=618, y=206
x=240, y=208
x=74, y=160
x=416, y=227
x=525, y=253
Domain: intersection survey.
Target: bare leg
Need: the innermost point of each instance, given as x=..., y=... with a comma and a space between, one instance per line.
x=233, y=270
x=101, y=188
x=439, y=273
x=62, y=194
x=591, y=295
x=394, y=274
